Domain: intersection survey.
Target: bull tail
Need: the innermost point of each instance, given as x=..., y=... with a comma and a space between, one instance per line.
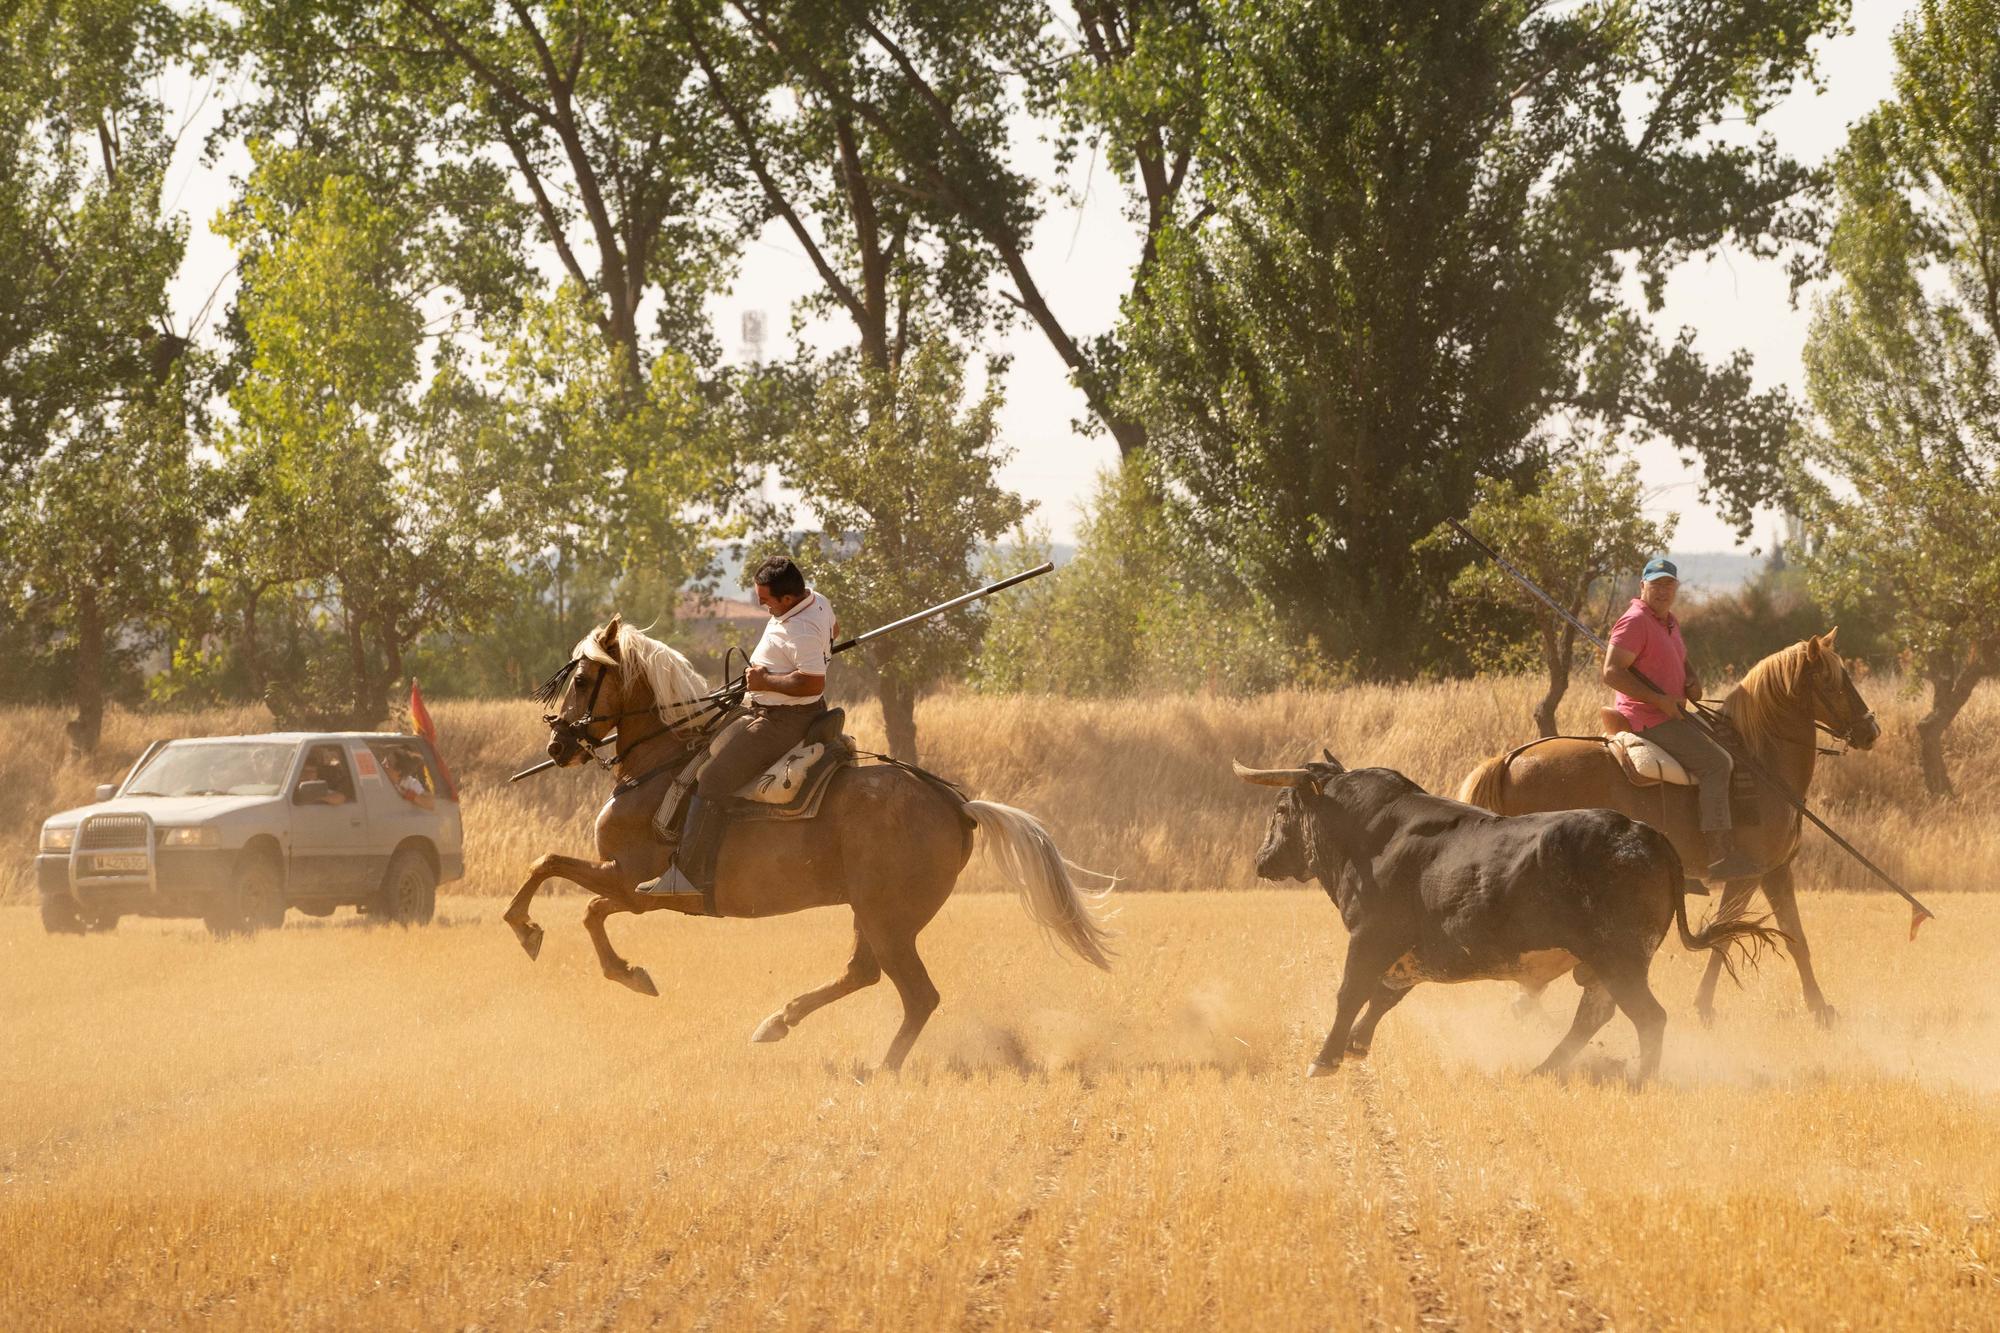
x=1016, y=845
x=1486, y=786
x=1740, y=938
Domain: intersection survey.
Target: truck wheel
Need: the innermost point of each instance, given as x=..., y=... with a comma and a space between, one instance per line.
x=253, y=901
x=409, y=890
x=59, y=915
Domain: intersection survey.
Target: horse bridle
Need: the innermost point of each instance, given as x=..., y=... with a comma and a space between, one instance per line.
x=1826, y=700
x=577, y=731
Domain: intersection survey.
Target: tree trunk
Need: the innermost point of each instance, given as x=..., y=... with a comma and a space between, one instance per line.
x=1949, y=691
x=1556, y=650
x=357, y=662
x=899, y=719
x=392, y=655
x=88, y=724
x=253, y=654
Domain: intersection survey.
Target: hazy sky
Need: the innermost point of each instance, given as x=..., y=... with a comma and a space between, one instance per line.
x=1083, y=253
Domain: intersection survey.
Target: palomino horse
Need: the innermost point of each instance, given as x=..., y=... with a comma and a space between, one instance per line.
x=888, y=841
x=1775, y=709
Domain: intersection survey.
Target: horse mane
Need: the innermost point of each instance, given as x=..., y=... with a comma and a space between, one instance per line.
x=641, y=658
x=1764, y=699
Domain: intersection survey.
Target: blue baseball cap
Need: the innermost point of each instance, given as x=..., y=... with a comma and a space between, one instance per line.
x=1659, y=567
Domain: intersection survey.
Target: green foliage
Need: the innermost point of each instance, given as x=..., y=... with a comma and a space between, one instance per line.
x=610, y=501
x=608, y=146
x=1728, y=633
x=1133, y=613
x=1583, y=524
x=898, y=471
x=103, y=504
x=1903, y=496
x=368, y=493
x=1410, y=256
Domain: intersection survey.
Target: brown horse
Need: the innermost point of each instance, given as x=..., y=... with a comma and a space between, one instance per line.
x=1776, y=709
x=887, y=841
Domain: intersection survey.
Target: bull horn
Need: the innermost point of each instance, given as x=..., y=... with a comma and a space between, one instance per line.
x=1273, y=777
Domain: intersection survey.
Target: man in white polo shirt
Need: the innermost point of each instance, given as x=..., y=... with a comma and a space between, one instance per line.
x=785, y=690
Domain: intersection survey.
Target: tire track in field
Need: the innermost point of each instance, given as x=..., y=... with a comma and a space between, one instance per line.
x=1304, y=1136
x=868, y=1151
x=1434, y=1306
x=1061, y=1249
x=1202, y=1252
x=1538, y=1242
x=997, y=1271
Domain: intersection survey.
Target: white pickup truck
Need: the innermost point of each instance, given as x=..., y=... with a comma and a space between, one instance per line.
x=237, y=829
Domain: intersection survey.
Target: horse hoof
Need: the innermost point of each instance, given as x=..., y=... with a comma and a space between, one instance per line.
x=1527, y=1006
x=530, y=936
x=774, y=1028
x=1706, y=1017
x=1318, y=1070
x=1826, y=1016
x=1357, y=1052
x=638, y=979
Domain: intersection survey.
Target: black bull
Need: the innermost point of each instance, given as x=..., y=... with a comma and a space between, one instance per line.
x=1432, y=890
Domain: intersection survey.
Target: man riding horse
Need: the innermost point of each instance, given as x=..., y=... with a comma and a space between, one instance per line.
x=1646, y=642
x=786, y=691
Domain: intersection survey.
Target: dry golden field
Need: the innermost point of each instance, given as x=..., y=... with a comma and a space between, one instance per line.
x=336, y=1127
x=341, y=1127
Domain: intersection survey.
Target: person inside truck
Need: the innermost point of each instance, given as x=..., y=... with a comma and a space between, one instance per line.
x=406, y=775
x=325, y=764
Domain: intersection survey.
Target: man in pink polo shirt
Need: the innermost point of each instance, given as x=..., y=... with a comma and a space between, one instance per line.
x=1647, y=642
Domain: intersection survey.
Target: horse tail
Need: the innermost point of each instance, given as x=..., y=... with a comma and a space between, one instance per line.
x=1743, y=937
x=1021, y=851
x=1486, y=786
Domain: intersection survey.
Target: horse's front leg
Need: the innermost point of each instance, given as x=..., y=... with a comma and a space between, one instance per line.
x=615, y=967
x=601, y=877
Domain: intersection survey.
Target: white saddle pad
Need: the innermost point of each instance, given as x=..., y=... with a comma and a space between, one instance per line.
x=780, y=783
x=1650, y=761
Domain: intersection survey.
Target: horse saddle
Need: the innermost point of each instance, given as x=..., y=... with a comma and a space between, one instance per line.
x=793, y=787
x=1647, y=765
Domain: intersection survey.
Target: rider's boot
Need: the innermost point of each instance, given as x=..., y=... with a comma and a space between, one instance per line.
x=1727, y=861
x=689, y=883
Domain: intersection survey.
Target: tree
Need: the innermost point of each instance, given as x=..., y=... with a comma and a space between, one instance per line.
x=611, y=501
x=904, y=498
x=366, y=495
x=1581, y=525
x=1415, y=226
x=97, y=392
x=590, y=106
x=903, y=269
x=943, y=85
x=1902, y=364
x=1132, y=613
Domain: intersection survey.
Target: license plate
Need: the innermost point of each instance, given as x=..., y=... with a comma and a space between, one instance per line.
x=120, y=865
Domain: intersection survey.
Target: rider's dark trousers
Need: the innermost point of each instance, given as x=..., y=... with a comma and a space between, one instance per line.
x=1706, y=762
x=752, y=743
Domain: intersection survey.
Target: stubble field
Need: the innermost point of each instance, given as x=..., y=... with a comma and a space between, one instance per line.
x=334, y=1126
x=337, y=1127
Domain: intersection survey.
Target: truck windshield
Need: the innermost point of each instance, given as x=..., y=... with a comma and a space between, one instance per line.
x=196, y=768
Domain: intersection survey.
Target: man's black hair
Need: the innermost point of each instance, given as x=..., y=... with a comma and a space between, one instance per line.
x=782, y=577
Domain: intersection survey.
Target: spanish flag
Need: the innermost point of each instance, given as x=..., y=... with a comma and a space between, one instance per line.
x=420, y=718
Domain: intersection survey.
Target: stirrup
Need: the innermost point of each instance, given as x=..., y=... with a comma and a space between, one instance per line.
x=1734, y=865
x=672, y=884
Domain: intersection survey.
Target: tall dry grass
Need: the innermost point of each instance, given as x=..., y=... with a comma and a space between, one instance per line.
x=1140, y=788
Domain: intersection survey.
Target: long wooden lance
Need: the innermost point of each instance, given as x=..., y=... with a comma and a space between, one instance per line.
x=1706, y=718
x=725, y=696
